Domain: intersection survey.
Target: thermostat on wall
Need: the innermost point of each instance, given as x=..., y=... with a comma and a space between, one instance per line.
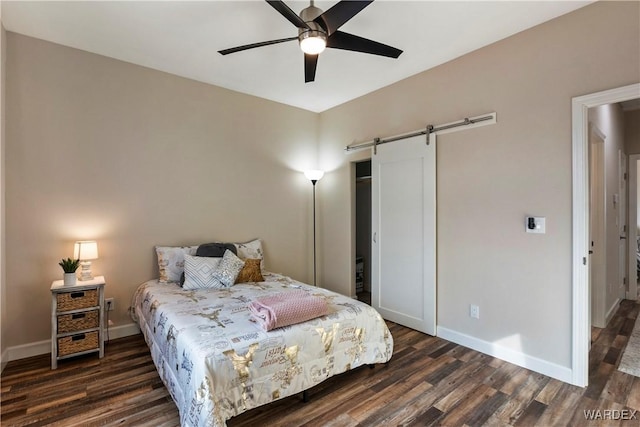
x=535, y=224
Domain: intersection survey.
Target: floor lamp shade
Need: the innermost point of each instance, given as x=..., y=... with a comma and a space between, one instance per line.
x=85, y=251
x=314, y=175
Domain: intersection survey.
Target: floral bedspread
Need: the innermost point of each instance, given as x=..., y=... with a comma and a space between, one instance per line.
x=216, y=363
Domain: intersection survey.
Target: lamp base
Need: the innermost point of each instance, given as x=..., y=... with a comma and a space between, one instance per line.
x=85, y=272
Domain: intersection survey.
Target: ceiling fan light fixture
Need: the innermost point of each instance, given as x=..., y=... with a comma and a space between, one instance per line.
x=313, y=42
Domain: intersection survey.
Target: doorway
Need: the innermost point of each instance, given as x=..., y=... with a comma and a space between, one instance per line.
x=581, y=325
x=608, y=250
x=363, y=231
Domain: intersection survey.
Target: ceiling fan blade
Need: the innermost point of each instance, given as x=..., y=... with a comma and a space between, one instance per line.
x=346, y=41
x=253, y=45
x=288, y=13
x=310, y=64
x=340, y=13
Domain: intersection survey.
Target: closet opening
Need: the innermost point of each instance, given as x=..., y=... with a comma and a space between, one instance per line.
x=363, y=231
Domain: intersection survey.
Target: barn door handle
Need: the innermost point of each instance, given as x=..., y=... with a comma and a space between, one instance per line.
x=375, y=237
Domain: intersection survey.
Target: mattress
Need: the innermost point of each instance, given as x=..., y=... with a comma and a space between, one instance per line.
x=217, y=363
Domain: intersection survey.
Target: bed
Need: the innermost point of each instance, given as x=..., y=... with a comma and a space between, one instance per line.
x=217, y=363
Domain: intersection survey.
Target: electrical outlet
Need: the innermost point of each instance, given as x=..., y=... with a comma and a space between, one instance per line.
x=474, y=311
x=110, y=304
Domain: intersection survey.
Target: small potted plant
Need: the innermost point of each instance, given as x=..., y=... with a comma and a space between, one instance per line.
x=69, y=266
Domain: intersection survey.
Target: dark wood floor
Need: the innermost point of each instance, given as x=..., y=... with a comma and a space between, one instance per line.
x=429, y=381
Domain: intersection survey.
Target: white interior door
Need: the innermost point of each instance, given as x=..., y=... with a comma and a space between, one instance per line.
x=403, y=199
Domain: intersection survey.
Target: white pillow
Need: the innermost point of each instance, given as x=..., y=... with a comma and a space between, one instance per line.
x=198, y=272
x=171, y=261
x=251, y=250
x=228, y=269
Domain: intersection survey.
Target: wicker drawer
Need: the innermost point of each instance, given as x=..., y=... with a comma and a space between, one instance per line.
x=77, y=343
x=78, y=321
x=76, y=300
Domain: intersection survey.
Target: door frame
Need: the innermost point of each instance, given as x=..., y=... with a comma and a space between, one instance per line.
x=632, y=227
x=581, y=329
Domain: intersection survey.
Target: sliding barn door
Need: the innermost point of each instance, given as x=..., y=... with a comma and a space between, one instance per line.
x=403, y=200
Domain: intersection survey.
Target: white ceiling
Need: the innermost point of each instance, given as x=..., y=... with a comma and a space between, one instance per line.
x=183, y=37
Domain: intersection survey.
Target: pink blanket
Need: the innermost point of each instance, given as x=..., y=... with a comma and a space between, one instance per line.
x=286, y=308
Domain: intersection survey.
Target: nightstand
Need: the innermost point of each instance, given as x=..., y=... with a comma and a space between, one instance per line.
x=77, y=319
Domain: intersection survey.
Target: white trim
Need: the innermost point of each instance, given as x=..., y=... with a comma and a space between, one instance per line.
x=29, y=350
x=44, y=347
x=632, y=226
x=4, y=360
x=581, y=330
x=544, y=367
x=122, y=331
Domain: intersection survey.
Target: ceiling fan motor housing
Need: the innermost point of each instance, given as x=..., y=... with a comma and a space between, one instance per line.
x=308, y=15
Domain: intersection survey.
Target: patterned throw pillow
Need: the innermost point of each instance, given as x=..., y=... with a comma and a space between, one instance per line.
x=251, y=250
x=198, y=272
x=250, y=272
x=171, y=261
x=228, y=269
x=215, y=250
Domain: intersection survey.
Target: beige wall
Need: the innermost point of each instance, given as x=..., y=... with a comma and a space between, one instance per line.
x=489, y=178
x=609, y=120
x=101, y=149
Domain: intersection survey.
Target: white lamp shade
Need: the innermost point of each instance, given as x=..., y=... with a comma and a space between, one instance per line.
x=85, y=250
x=314, y=174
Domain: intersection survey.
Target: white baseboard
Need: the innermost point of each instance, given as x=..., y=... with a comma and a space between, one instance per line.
x=43, y=347
x=29, y=350
x=544, y=367
x=4, y=359
x=123, y=331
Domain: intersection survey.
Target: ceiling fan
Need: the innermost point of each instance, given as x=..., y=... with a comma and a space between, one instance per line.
x=318, y=29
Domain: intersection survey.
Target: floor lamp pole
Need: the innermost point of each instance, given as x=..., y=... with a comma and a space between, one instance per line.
x=313, y=181
x=314, y=176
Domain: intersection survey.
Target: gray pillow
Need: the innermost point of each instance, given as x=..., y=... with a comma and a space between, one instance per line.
x=215, y=249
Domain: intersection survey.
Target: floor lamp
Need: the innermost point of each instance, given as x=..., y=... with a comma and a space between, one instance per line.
x=314, y=176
